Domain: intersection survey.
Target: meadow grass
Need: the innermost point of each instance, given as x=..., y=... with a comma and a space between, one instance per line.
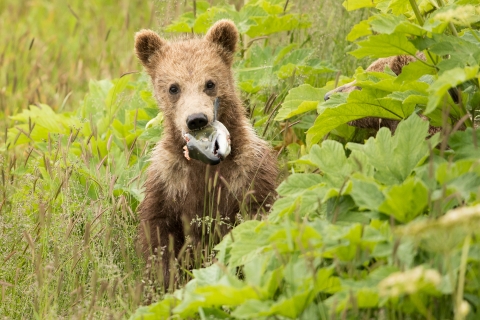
x=68, y=246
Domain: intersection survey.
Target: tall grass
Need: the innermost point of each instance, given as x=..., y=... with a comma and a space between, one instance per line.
x=49, y=50
x=330, y=27
x=67, y=246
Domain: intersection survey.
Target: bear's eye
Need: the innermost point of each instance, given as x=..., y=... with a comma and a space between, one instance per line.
x=173, y=89
x=210, y=85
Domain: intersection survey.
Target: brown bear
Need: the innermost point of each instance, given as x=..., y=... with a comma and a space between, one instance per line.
x=186, y=201
x=396, y=64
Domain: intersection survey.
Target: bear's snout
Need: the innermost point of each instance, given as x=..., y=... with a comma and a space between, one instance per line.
x=197, y=121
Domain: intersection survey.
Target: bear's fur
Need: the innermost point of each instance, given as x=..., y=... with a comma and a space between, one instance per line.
x=179, y=192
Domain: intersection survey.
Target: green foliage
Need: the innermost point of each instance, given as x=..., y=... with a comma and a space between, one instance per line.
x=265, y=70
x=110, y=125
x=255, y=19
x=330, y=245
x=57, y=47
x=449, y=39
x=380, y=229
x=383, y=229
x=68, y=205
x=73, y=169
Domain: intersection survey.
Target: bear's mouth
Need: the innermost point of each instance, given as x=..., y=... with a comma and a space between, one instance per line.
x=210, y=145
x=215, y=150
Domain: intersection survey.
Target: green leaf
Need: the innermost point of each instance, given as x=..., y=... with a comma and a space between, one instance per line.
x=250, y=240
x=410, y=97
x=159, y=310
x=329, y=157
x=406, y=201
x=465, y=185
x=284, y=52
x=383, y=45
x=366, y=193
x=273, y=24
x=294, y=69
x=252, y=309
x=359, y=30
x=466, y=144
x=44, y=117
x=447, y=80
x=395, y=157
x=114, y=94
x=292, y=305
x=94, y=103
x=388, y=82
x=300, y=100
x=351, y=5
x=413, y=71
x=331, y=160
x=182, y=26
x=359, y=294
x=205, y=20
x=301, y=205
x=225, y=293
x=272, y=8
x=360, y=104
x=298, y=183
x=461, y=52
x=206, y=276
x=389, y=24
x=257, y=71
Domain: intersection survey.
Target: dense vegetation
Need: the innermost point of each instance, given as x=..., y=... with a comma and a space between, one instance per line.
x=380, y=227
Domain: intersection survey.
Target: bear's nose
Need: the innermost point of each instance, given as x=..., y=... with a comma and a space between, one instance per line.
x=196, y=121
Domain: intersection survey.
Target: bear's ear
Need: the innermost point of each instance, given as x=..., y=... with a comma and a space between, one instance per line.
x=225, y=34
x=148, y=46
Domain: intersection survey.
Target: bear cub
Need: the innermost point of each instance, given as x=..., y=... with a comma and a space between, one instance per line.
x=189, y=205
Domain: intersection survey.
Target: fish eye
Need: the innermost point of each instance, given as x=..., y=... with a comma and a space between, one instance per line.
x=210, y=85
x=174, y=89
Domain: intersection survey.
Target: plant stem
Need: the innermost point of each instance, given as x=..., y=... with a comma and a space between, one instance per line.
x=418, y=15
x=474, y=33
x=461, y=277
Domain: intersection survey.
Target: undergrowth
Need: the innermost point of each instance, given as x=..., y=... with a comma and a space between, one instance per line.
x=74, y=150
x=385, y=228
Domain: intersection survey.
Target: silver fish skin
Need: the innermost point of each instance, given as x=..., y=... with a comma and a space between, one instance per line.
x=209, y=145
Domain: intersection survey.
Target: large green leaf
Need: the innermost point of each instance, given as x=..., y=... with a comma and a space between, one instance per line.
x=384, y=45
x=330, y=158
x=160, y=310
x=447, y=80
x=360, y=104
x=466, y=144
x=367, y=193
x=299, y=183
x=390, y=24
x=274, y=24
x=406, y=201
x=300, y=100
x=359, y=30
x=249, y=240
x=228, y=291
x=307, y=203
x=395, y=157
x=413, y=71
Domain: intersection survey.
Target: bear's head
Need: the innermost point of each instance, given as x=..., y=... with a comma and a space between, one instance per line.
x=188, y=74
